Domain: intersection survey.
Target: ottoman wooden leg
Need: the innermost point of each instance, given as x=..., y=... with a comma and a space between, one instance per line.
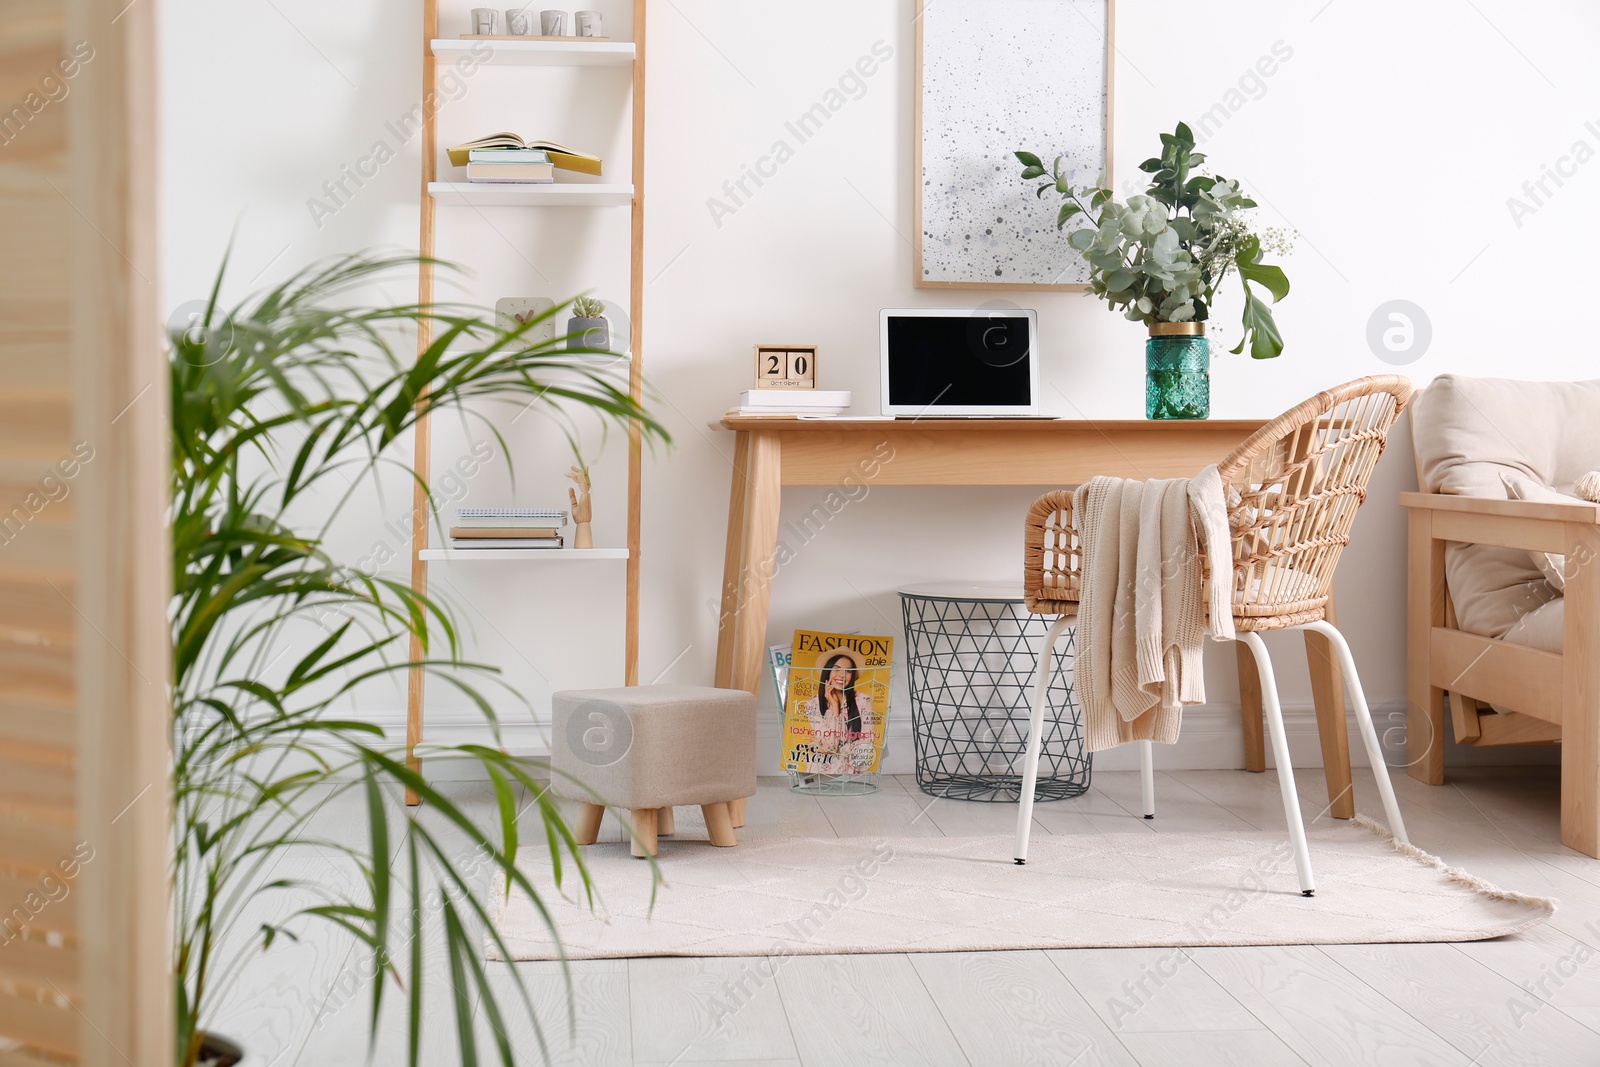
x=736, y=812
x=720, y=823
x=644, y=832
x=588, y=829
x=664, y=823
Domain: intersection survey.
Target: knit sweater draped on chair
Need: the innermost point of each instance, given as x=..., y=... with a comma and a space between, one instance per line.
x=1157, y=566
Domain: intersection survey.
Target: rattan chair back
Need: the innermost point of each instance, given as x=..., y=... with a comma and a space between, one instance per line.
x=1293, y=489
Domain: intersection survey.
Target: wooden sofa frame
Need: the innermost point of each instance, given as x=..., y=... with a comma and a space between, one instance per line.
x=1547, y=697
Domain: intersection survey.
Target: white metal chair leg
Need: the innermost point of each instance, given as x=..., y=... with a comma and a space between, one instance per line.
x=1030, y=760
x=1280, y=755
x=1369, y=735
x=1147, y=778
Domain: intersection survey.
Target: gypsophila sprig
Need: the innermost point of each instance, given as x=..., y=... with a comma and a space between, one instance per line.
x=1163, y=255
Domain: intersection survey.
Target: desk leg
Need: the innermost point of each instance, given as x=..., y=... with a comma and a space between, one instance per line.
x=749, y=561
x=1327, y=691
x=748, y=566
x=1250, y=710
x=733, y=563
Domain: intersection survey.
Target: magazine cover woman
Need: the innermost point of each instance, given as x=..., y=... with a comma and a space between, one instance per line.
x=843, y=720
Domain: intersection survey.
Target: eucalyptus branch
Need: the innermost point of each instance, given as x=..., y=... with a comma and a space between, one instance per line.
x=1173, y=245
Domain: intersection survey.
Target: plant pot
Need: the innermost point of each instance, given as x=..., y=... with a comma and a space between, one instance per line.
x=1177, y=371
x=219, y=1052
x=592, y=334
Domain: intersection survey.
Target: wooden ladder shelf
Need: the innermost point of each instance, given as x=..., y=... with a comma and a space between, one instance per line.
x=573, y=52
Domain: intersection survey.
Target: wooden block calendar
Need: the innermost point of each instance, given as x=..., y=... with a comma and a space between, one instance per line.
x=786, y=366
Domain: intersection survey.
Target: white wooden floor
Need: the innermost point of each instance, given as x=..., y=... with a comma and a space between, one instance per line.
x=1533, y=999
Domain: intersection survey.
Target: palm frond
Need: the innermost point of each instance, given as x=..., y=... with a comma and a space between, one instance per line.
x=271, y=398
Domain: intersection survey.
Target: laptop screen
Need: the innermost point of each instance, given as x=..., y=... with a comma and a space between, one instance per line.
x=980, y=359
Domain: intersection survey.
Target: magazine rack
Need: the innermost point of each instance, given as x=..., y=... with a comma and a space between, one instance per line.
x=836, y=785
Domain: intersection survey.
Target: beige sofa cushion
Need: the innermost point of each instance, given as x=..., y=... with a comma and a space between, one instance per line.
x=1469, y=433
x=1541, y=628
x=1553, y=565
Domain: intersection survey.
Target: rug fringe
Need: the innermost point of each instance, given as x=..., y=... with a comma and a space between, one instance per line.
x=1455, y=874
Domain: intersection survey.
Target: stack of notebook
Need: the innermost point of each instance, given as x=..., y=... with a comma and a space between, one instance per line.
x=510, y=166
x=496, y=528
x=792, y=403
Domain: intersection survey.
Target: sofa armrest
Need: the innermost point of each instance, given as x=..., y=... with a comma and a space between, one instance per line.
x=1531, y=525
x=1577, y=511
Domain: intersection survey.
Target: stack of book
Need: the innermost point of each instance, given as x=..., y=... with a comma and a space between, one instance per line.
x=510, y=166
x=498, y=528
x=795, y=403
x=507, y=158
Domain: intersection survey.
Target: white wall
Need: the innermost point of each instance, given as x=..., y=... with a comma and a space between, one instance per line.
x=1391, y=139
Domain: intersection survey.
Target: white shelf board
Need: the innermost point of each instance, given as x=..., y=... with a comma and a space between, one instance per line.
x=518, y=555
x=519, y=739
x=600, y=362
x=592, y=360
x=560, y=194
x=574, y=53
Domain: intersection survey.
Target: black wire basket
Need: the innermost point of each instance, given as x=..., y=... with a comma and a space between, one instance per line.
x=971, y=652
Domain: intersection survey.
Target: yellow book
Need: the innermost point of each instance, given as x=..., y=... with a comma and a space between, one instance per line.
x=563, y=157
x=837, y=703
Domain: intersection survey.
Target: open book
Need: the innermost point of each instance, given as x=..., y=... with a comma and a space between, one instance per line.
x=563, y=157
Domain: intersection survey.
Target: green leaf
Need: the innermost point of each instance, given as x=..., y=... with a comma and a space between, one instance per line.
x=1033, y=172
x=1260, y=329
x=1276, y=282
x=378, y=829
x=1120, y=279
x=1028, y=159
x=1068, y=210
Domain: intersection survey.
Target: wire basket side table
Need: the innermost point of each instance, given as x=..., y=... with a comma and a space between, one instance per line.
x=970, y=657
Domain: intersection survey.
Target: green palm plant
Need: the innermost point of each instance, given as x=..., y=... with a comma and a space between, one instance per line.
x=275, y=402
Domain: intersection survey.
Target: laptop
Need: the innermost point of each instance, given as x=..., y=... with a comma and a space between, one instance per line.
x=959, y=362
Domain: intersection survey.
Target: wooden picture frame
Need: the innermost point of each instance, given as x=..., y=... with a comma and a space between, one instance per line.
x=786, y=366
x=1045, y=218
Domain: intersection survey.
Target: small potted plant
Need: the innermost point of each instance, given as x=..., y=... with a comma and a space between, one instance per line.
x=588, y=329
x=1160, y=258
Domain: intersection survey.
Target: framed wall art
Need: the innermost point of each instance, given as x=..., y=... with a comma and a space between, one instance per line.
x=994, y=76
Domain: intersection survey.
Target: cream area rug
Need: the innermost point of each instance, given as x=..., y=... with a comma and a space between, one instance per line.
x=776, y=897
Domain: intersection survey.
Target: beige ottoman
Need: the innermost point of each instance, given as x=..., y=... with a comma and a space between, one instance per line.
x=648, y=748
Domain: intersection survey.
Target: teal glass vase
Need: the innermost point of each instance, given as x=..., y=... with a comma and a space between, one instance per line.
x=1177, y=372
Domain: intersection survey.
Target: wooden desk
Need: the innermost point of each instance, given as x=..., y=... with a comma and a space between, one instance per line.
x=770, y=453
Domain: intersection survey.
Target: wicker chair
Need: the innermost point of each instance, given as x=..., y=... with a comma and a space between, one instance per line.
x=1293, y=489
